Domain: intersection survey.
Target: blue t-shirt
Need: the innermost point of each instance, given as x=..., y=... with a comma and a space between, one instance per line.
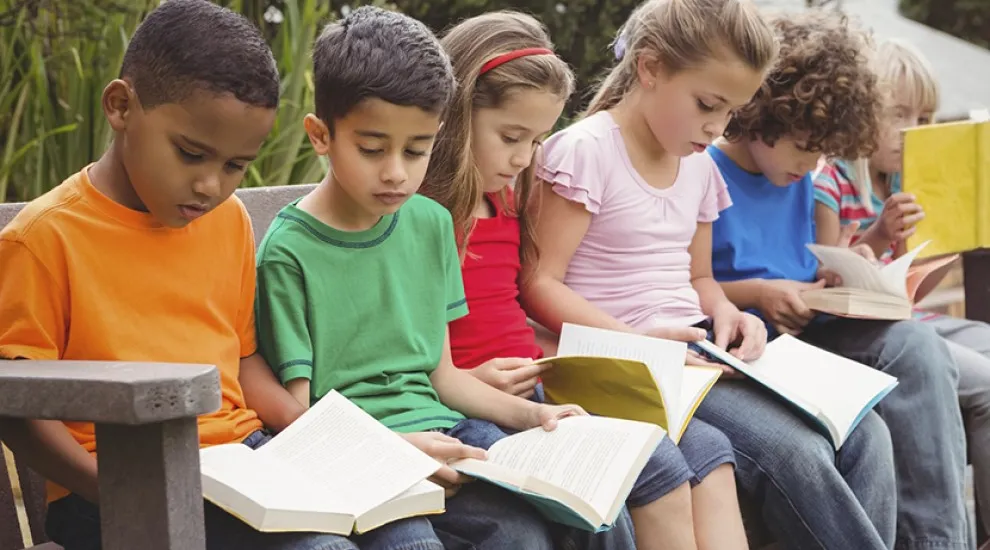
x=764, y=234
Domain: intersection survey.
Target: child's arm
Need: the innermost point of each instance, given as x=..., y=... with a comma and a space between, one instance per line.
x=284, y=343
x=731, y=325
x=560, y=228
x=464, y=393
x=49, y=448
x=778, y=300
x=828, y=225
x=276, y=407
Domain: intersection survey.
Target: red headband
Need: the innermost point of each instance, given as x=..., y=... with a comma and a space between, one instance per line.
x=506, y=57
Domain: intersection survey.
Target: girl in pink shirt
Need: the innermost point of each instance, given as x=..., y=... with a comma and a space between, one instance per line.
x=624, y=226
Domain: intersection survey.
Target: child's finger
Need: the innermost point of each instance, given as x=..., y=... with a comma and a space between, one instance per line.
x=522, y=374
x=511, y=363
x=446, y=451
x=525, y=388
x=911, y=219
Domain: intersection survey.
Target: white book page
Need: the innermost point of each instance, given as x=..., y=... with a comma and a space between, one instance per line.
x=665, y=358
x=839, y=387
x=897, y=270
x=260, y=479
x=858, y=272
x=360, y=461
x=588, y=456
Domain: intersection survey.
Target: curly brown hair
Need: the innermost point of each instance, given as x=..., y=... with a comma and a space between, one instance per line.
x=822, y=89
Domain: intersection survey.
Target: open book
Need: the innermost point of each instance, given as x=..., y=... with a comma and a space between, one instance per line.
x=835, y=393
x=872, y=291
x=334, y=470
x=947, y=168
x=624, y=375
x=579, y=474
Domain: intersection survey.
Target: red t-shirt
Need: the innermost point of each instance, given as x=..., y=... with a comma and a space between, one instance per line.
x=495, y=325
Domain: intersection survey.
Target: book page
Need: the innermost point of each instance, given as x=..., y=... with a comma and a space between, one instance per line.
x=898, y=269
x=858, y=272
x=588, y=456
x=236, y=474
x=839, y=387
x=665, y=358
x=357, y=459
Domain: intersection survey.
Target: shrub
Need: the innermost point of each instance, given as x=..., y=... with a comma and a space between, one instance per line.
x=966, y=19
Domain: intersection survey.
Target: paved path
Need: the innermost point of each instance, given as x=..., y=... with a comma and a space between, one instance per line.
x=963, y=69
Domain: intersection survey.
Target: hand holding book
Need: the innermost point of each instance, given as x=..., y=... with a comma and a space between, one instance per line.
x=445, y=449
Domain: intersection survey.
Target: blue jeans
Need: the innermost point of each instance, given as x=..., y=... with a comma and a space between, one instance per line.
x=74, y=523
x=794, y=484
x=925, y=424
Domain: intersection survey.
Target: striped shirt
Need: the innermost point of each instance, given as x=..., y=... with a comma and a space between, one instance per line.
x=835, y=188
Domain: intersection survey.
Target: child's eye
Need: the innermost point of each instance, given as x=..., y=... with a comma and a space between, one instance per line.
x=189, y=156
x=414, y=153
x=510, y=140
x=369, y=152
x=705, y=107
x=235, y=167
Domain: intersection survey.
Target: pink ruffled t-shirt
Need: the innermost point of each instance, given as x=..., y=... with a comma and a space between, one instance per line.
x=633, y=262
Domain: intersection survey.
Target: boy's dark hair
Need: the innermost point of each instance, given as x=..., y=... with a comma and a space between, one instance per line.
x=188, y=45
x=822, y=89
x=374, y=53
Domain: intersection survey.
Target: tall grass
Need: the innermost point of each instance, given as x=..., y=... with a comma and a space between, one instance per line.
x=56, y=56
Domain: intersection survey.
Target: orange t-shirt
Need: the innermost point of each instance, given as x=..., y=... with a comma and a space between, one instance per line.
x=85, y=278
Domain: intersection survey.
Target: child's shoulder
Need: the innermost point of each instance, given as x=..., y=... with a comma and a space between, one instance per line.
x=588, y=131
x=424, y=210
x=46, y=216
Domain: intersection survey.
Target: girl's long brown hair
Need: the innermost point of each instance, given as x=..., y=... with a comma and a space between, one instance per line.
x=452, y=178
x=682, y=34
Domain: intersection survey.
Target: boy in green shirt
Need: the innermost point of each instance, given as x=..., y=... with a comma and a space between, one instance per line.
x=358, y=280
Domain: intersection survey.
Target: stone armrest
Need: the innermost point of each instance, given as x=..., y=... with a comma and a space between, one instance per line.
x=146, y=434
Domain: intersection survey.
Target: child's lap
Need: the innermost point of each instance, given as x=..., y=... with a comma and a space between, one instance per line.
x=74, y=523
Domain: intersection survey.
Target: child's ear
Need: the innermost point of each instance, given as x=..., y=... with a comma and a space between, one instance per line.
x=319, y=134
x=119, y=101
x=647, y=70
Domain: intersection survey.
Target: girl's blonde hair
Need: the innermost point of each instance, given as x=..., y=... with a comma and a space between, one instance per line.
x=452, y=178
x=682, y=34
x=899, y=66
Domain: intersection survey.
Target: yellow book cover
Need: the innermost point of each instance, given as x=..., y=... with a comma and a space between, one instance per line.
x=946, y=168
x=627, y=389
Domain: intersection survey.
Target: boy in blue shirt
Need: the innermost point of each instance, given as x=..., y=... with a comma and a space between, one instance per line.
x=822, y=100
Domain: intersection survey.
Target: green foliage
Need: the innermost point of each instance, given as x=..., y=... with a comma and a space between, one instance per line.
x=966, y=19
x=582, y=30
x=56, y=56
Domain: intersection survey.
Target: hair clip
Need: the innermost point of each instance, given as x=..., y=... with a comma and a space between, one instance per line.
x=619, y=47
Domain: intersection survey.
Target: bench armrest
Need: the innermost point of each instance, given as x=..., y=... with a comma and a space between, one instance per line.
x=113, y=392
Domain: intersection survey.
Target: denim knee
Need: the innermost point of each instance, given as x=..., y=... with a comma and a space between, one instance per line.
x=914, y=349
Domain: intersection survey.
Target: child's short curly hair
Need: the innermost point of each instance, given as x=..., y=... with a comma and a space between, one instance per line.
x=822, y=89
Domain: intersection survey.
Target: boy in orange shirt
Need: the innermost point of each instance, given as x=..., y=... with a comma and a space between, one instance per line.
x=146, y=256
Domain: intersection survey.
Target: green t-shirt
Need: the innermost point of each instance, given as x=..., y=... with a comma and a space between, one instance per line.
x=363, y=313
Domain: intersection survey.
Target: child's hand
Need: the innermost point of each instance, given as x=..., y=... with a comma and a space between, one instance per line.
x=781, y=303
x=445, y=449
x=678, y=334
x=514, y=375
x=548, y=415
x=732, y=325
x=899, y=217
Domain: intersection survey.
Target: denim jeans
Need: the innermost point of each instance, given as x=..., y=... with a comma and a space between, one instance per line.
x=922, y=414
x=969, y=342
x=794, y=484
x=74, y=523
